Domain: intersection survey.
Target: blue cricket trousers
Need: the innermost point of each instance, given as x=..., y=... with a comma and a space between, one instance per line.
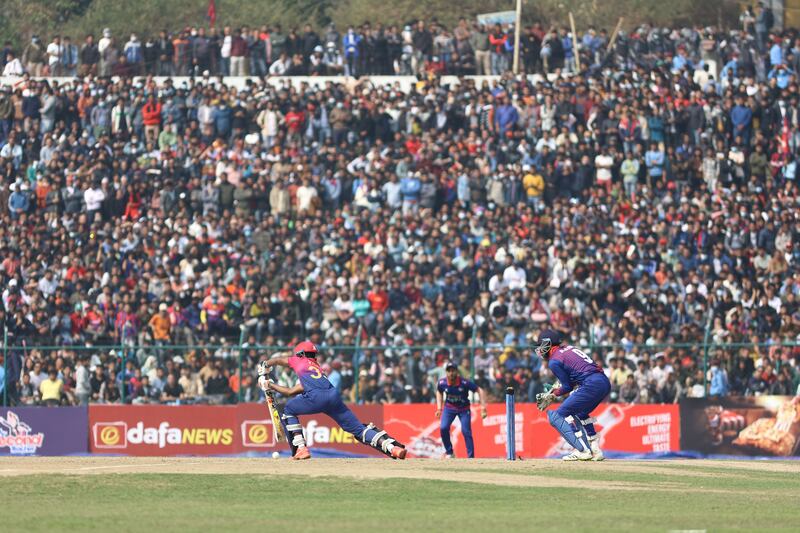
x=448, y=416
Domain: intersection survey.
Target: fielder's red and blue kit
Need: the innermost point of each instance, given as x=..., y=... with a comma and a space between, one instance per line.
x=457, y=405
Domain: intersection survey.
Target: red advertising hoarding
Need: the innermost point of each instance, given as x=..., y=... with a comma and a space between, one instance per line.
x=161, y=430
x=622, y=428
x=255, y=430
x=156, y=430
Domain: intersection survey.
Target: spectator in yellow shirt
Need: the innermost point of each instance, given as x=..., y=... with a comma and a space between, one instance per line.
x=533, y=183
x=161, y=325
x=51, y=389
x=619, y=375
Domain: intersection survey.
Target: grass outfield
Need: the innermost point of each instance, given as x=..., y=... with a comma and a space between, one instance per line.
x=194, y=494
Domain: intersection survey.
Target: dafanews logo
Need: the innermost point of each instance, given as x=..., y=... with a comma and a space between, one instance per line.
x=18, y=436
x=111, y=435
x=117, y=435
x=257, y=434
x=327, y=435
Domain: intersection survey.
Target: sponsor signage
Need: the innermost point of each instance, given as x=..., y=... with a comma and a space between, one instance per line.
x=43, y=430
x=211, y=430
x=255, y=428
x=622, y=428
x=741, y=425
x=163, y=430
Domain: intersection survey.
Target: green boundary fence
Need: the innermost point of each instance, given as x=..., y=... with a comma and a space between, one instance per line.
x=702, y=350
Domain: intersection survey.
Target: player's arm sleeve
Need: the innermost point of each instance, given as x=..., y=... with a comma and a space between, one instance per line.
x=558, y=370
x=471, y=386
x=440, y=386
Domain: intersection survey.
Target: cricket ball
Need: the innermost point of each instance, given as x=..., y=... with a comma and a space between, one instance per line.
x=275, y=455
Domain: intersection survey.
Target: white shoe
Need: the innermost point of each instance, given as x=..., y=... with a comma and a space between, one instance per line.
x=578, y=456
x=449, y=456
x=597, y=453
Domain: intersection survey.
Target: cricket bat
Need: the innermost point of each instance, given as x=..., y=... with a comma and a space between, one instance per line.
x=277, y=427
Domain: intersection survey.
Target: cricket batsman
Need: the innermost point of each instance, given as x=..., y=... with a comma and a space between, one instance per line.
x=314, y=394
x=456, y=404
x=573, y=368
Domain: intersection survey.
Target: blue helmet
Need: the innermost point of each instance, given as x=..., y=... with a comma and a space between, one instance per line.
x=548, y=339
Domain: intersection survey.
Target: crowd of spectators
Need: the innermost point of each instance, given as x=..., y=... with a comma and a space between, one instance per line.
x=646, y=205
x=416, y=47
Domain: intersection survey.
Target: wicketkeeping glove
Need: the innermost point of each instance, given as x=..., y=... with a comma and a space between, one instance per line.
x=544, y=399
x=263, y=369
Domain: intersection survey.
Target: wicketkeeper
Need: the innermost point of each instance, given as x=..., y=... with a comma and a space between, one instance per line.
x=572, y=419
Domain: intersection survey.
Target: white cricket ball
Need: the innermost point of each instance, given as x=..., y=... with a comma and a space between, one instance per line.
x=275, y=455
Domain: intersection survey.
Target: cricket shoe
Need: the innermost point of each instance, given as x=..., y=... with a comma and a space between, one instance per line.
x=399, y=453
x=302, y=453
x=597, y=453
x=578, y=456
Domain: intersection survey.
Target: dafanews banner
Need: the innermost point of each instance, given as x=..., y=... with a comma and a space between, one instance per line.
x=255, y=430
x=163, y=430
x=211, y=430
x=43, y=430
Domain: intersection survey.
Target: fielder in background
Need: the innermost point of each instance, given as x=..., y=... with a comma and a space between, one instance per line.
x=573, y=368
x=456, y=404
x=315, y=394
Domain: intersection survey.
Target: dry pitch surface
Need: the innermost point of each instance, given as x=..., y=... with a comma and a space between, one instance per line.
x=523, y=473
x=203, y=494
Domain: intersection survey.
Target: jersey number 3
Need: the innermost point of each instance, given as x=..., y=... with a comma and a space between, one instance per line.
x=316, y=373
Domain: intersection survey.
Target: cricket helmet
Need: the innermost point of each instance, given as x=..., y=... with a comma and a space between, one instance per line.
x=548, y=339
x=306, y=349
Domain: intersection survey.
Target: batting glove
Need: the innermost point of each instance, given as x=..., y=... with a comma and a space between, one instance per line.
x=264, y=383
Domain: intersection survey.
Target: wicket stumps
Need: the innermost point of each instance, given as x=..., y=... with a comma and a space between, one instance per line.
x=510, y=425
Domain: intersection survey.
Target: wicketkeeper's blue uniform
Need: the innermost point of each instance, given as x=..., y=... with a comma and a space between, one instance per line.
x=574, y=368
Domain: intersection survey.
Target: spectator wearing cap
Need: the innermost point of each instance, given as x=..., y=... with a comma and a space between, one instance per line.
x=134, y=54
x=33, y=57
x=19, y=200
x=160, y=325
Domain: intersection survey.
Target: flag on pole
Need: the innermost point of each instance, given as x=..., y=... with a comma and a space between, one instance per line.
x=212, y=13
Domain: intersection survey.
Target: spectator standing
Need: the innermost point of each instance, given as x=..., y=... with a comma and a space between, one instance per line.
x=33, y=57
x=89, y=57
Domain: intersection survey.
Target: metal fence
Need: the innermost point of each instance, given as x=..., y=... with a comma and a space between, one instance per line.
x=238, y=360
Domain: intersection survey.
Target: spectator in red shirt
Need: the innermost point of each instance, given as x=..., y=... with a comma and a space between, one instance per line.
x=238, y=53
x=151, y=117
x=378, y=299
x=295, y=119
x=498, y=40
